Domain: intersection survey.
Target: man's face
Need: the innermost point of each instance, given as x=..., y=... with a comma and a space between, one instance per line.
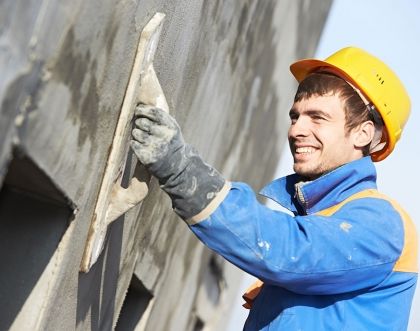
x=317, y=136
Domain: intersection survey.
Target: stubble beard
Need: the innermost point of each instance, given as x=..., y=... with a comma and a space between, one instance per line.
x=310, y=172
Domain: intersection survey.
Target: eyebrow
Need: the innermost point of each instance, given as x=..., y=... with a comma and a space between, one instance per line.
x=310, y=112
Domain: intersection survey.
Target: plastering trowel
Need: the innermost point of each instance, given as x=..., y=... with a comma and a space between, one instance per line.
x=114, y=200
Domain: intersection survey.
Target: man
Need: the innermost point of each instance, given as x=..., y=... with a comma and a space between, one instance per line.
x=347, y=259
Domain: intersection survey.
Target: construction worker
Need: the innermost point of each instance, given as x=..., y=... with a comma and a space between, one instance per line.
x=347, y=258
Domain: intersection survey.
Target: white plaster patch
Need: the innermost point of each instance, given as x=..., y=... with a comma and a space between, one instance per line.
x=345, y=226
x=211, y=195
x=19, y=120
x=264, y=244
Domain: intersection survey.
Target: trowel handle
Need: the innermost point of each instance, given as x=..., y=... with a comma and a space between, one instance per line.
x=123, y=199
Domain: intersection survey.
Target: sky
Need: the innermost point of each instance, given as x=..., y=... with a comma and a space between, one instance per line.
x=390, y=30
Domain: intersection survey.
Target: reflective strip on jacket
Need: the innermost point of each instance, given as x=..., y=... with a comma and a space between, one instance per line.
x=347, y=260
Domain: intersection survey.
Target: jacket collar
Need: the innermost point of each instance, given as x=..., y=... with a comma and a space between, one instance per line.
x=326, y=191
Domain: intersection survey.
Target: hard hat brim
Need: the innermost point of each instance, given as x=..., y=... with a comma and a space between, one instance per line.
x=302, y=68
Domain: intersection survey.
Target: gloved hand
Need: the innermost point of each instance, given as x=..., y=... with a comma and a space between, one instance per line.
x=159, y=145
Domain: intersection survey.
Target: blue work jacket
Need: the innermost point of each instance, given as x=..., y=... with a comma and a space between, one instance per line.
x=345, y=260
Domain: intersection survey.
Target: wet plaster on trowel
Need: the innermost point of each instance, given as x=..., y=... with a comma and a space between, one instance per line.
x=113, y=199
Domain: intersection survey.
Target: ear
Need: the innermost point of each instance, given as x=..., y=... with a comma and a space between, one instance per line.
x=363, y=134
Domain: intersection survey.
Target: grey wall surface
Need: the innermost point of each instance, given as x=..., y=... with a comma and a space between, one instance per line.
x=223, y=66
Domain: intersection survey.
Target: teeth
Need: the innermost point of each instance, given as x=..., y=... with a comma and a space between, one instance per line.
x=305, y=150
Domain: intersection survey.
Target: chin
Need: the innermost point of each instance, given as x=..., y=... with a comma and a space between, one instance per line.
x=305, y=173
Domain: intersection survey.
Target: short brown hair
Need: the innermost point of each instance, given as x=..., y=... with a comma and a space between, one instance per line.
x=324, y=83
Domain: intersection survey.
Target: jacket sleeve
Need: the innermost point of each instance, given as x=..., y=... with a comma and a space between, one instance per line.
x=354, y=249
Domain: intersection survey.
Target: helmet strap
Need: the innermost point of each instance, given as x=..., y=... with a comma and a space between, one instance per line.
x=377, y=143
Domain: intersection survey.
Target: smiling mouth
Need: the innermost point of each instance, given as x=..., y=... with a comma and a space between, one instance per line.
x=304, y=150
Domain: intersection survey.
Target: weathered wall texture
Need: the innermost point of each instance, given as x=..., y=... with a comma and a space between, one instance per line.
x=223, y=66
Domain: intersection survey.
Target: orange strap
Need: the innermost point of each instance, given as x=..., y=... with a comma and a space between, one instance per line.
x=407, y=261
x=251, y=293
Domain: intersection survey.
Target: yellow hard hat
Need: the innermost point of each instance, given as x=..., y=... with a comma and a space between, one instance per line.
x=375, y=80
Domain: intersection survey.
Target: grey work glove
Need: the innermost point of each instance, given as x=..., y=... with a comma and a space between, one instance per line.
x=159, y=145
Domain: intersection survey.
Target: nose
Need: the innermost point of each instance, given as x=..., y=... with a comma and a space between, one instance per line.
x=299, y=128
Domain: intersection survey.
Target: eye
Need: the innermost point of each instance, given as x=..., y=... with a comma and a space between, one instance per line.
x=318, y=118
x=293, y=118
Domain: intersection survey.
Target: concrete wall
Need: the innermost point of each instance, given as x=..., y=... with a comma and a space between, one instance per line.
x=223, y=66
